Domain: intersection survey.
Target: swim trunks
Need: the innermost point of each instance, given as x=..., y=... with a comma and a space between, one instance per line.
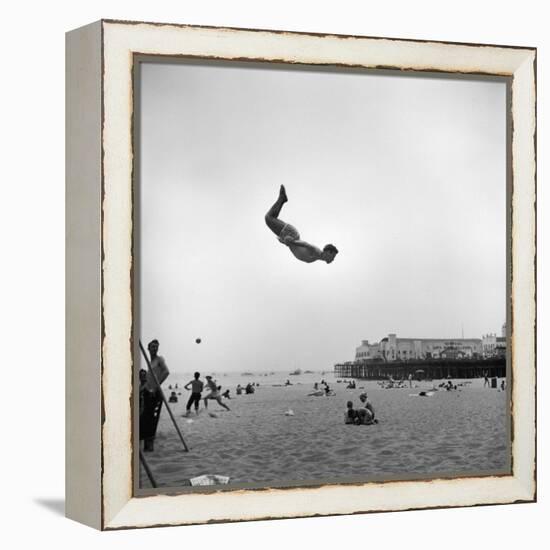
x=289, y=231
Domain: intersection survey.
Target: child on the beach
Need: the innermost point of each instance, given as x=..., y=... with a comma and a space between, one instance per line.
x=351, y=414
x=289, y=236
x=196, y=391
x=214, y=393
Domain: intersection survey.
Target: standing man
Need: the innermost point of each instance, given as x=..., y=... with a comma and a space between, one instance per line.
x=151, y=397
x=196, y=392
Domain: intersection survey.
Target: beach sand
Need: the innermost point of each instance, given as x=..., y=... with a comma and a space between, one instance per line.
x=449, y=433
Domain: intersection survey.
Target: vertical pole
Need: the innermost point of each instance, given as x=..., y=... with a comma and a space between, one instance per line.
x=147, y=469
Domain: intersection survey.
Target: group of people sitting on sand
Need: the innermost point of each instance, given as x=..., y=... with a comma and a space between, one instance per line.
x=390, y=383
x=321, y=391
x=362, y=415
x=249, y=388
x=449, y=386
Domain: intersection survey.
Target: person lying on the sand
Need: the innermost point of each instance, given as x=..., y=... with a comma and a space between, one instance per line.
x=289, y=236
x=214, y=393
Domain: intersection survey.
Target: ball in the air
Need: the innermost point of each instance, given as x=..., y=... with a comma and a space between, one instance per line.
x=198, y=340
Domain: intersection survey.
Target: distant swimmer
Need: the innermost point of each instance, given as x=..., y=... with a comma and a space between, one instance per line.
x=214, y=393
x=289, y=236
x=196, y=392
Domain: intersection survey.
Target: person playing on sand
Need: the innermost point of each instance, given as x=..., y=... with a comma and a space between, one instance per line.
x=289, y=236
x=196, y=390
x=214, y=393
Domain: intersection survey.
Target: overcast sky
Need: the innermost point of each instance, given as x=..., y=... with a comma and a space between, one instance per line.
x=405, y=175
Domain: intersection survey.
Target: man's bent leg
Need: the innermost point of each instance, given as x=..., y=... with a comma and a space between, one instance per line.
x=272, y=217
x=276, y=225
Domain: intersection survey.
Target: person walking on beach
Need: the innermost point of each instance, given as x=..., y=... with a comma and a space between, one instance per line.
x=214, y=393
x=197, y=386
x=151, y=397
x=289, y=236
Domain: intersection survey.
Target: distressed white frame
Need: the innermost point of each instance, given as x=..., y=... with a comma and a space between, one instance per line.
x=116, y=506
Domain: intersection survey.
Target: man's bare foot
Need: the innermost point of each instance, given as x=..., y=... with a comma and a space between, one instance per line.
x=282, y=194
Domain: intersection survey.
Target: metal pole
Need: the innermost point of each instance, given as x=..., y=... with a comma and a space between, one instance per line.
x=163, y=396
x=147, y=469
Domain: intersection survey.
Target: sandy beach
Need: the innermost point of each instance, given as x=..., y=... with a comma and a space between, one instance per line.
x=447, y=433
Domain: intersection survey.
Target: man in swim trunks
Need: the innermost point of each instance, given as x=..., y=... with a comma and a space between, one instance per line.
x=289, y=236
x=196, y=390
x=214, y=393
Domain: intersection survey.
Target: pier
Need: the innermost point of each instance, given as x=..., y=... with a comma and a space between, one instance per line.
x=432, y=369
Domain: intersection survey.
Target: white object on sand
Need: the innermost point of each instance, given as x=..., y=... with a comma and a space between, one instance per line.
x=209, y=479
x=190, y=421
x=290, y=412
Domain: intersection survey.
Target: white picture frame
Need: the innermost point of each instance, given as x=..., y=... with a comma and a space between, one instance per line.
x=100, y=339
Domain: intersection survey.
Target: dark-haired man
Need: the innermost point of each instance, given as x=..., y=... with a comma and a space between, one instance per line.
x=289, y=236
x=197, y=386
x=151, y=398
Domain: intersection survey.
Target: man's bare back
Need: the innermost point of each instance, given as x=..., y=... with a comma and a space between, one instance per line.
x=305, y=252
x=289, y=236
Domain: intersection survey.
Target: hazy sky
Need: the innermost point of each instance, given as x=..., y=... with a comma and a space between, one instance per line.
x=406, y=176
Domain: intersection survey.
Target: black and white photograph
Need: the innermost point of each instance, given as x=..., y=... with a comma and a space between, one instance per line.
x=274, y=275
x=320, y=275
